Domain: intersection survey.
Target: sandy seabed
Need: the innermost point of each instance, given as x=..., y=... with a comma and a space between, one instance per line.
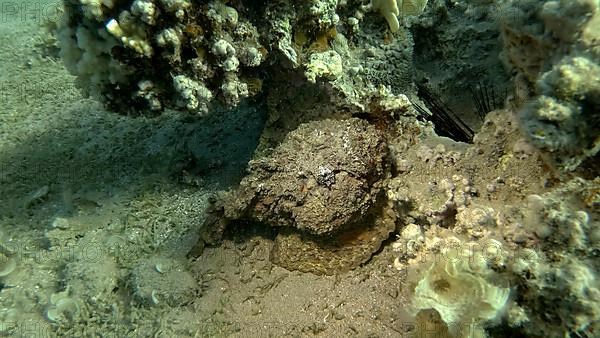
x=98, y=214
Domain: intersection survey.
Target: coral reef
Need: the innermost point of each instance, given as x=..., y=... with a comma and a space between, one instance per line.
x=552, y=48
x=490, y=236
x=146, y=56
x=466, y=240
x=324, y=176
x=454, y=241
x=566, y=222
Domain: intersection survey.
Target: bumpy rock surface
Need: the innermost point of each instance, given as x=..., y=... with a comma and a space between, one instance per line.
x=556, y=60
x=323, y=177
x=344, y=251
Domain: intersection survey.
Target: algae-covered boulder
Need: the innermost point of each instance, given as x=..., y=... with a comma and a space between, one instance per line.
x=323, y=187
x=324, y=176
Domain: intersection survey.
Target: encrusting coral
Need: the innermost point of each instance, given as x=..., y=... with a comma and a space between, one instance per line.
x=205, y=51
x=552, y=47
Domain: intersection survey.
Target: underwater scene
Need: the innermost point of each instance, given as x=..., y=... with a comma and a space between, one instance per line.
x=313, y=168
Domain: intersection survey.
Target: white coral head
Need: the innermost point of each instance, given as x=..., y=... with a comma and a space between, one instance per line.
x=391, y=9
